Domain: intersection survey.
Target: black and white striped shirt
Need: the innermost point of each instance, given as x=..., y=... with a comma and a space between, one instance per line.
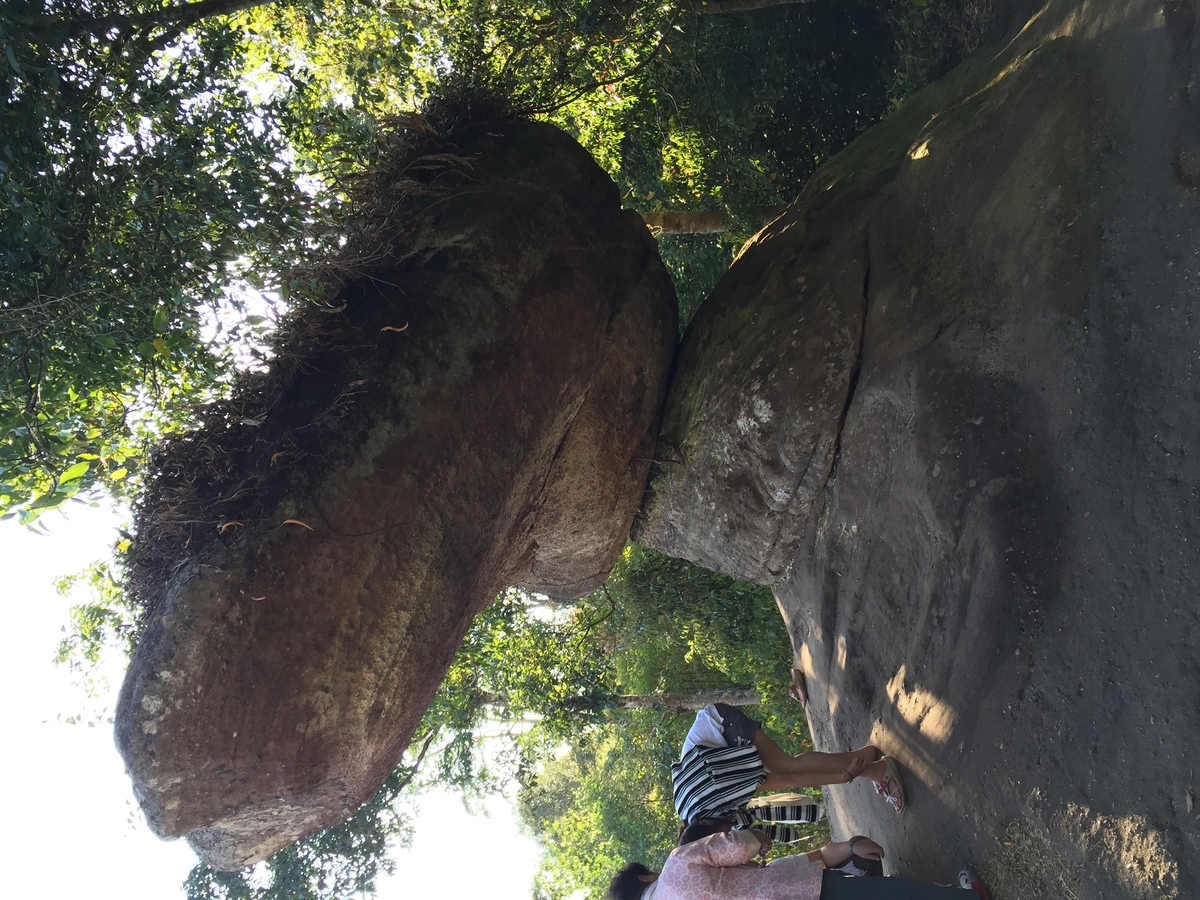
x=716, y=781
x=719, y=782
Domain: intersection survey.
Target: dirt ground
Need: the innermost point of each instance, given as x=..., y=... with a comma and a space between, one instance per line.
x=1063, y=779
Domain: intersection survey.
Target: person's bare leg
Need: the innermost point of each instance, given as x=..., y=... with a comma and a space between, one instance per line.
x=776, y=760
x=815, y=768
x=793, y=781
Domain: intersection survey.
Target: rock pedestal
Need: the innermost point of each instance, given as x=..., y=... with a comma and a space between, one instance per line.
x=946, y=406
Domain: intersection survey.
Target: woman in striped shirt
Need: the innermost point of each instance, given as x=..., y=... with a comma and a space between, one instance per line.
x=727, y=758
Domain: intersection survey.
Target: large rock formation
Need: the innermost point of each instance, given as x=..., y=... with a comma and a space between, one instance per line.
x=482, y=415
x=947, y=406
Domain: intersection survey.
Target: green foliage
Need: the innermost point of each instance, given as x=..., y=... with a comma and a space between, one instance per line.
x=373, y=58
x=932, y=37
x=675, y=629
x=696, y=263
x=341, y=861
x=139, y=182
x=605, y=801
x=106, y=621
x=735, y=111
x=679, y=628
x=100, y=633
x=659, y=626
x=520, y=662
x=543, y=54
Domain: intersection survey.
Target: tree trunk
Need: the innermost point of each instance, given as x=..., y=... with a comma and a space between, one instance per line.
x=173, y=19
x=734, y=696
x=701, y=221
x=721, y=7
x=191, y=13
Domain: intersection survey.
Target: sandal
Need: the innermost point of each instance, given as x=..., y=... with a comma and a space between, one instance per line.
x=890, y=787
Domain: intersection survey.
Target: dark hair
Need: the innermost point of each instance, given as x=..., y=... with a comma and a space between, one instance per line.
x=627, y=885
x=702, y=828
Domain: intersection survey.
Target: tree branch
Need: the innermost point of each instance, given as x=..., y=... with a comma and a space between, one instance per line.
x=586, y=627
x=173, y=19
x=416, y=766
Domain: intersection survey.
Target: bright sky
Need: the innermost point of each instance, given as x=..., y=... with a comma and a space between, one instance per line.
x=71, y=827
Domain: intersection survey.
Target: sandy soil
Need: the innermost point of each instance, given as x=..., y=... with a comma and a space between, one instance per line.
x=1063, y=780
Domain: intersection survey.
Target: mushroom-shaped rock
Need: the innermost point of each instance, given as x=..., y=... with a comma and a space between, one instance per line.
x=474, y=412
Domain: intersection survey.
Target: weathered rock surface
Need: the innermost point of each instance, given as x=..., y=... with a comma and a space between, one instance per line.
x=947, y=406
x=502, y=438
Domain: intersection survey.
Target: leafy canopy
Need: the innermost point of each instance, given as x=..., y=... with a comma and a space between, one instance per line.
x=141, y=181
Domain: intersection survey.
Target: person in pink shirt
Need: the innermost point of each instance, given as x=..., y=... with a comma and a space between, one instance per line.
x=722, y=866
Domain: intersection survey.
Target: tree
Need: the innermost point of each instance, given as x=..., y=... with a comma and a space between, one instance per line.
x=604, y=802
x=154, y=26
x=661, y=635
x=677, y=634
x=139, y=187
x=732, y=115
